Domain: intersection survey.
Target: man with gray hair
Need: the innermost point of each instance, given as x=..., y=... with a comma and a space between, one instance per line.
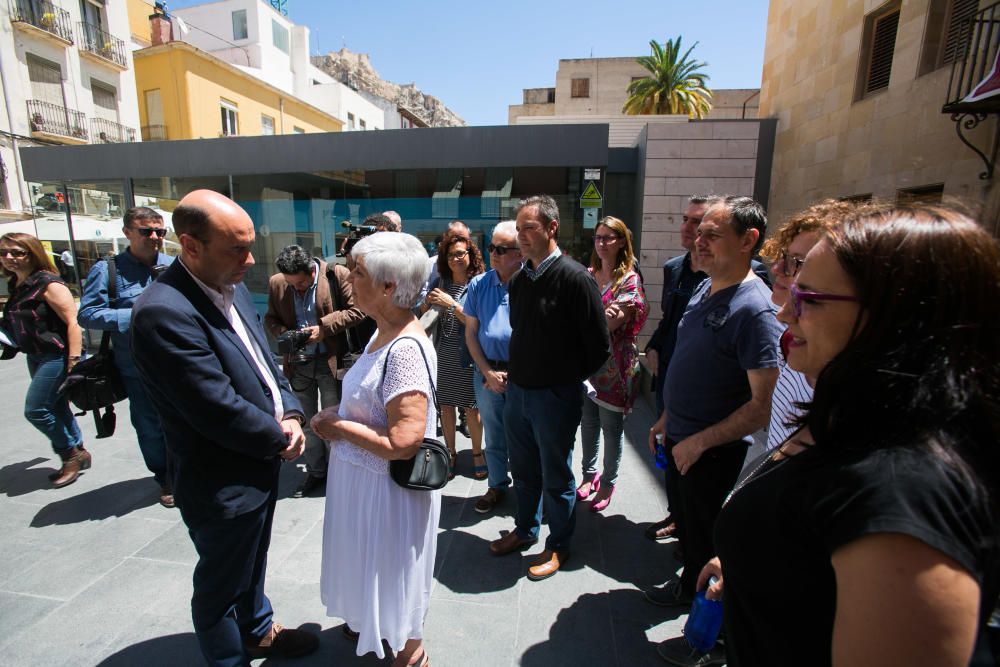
x=395, y=219
x=553, y=301
x=314, y=301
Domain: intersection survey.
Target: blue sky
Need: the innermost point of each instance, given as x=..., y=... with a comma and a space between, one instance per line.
x=477, y=56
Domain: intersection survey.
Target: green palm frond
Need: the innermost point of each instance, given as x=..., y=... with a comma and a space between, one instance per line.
x=674, y=85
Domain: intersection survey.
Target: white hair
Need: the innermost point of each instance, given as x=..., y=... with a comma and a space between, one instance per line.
x=395, y=258
x=507, y=228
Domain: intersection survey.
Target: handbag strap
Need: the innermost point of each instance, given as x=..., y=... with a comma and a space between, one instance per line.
x=430, y=376
x=112, y=295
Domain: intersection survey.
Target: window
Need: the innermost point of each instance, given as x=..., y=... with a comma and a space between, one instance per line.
x=350, y=121
x=46, y=81
x=878, y=45
x=279, y=35
x=361, y=124
x=266, y=125
x=580, y=88
x=297, y=130
x=948, y=32
x=105, y=101
x=240, y=24
x=926, y=194
x=230, y=118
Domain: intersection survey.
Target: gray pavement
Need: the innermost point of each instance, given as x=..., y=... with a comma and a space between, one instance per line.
x=98, y=573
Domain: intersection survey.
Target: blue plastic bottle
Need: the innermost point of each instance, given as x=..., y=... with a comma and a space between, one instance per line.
x=704, y=622
x=661, y=453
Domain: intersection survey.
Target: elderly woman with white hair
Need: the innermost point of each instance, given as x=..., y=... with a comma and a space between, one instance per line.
x=379, y=539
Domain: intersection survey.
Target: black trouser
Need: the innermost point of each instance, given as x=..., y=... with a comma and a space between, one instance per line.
x=671, y=479
x=701, y=493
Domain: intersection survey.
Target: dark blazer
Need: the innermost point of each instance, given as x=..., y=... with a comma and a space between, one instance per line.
x=280, y=316
x=218, y=417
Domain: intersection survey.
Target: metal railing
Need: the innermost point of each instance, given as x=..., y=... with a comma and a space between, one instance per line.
x=54, y=119
x=43, y=15
x=154, y=133
x=102, y=43
x=109, y=132
x=978, y=41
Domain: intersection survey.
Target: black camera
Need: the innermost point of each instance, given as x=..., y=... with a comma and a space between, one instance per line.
x=355, y=234
x=158, y=270
x=291, y=344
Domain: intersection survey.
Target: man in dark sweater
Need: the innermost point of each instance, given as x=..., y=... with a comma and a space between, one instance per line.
x=559, y=338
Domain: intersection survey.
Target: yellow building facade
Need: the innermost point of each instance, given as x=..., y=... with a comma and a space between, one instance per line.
x=185, y=93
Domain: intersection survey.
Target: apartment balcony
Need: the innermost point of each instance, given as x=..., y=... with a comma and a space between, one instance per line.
x=106, y=131
x=43, y=19
x=55, y=123
x=154, y=133
x=101, y=47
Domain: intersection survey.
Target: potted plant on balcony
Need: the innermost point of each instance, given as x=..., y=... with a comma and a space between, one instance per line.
x=37, y=122
x=48, y=19
x=107, y=50
x=78, y=132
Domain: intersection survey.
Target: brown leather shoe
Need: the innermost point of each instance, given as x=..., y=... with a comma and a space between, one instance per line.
x=282, y=642
x=510, y=543
x=72, y=464
x=546, y=564
x=166, y=497
x=85, y=461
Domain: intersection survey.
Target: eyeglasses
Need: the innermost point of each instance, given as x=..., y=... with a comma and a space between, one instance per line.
x=458, y=254
x=149, y=231
x=502, y=249
x=605, y=239
x=797, y=297
x=789, y=266
x=16, y=253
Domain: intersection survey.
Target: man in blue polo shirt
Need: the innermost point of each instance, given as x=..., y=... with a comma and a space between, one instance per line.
x=487, y=335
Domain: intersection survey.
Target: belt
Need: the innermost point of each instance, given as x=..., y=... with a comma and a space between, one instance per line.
x=498, y=365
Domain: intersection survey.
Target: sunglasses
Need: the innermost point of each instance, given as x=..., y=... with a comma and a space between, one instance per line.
x=458, y=254
x=16, y=253
x=604, y=239
x=796, y=297
x=149, y=231
x=501, y=249
x=789, y=266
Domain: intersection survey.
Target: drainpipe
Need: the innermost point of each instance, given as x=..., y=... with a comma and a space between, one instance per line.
x=21, y=187
x=281, y=113
x=744, y=116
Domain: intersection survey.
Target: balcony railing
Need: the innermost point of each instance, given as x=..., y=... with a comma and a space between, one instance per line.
x=109, y=132
x=43, y=15
x=154, y=133
x=103, y=44
x=56, y=120
x=975, y=80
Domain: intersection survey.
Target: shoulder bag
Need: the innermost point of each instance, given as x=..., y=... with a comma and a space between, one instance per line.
x=427, y=470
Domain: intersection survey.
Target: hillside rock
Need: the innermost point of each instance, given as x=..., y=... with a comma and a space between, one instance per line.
x=355, y=70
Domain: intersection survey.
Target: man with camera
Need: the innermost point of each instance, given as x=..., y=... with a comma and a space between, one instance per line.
x=135, y=270
x=310, y=305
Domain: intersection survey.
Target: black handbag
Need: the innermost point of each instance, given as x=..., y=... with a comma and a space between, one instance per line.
x=427, y=470
x=95, y=383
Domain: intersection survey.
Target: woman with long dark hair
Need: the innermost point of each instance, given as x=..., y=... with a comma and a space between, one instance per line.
x=40, y=318
x=871, y=535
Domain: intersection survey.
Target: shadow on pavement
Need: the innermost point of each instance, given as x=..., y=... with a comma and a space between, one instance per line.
x=17, y=479
x=468, y=566
x=113, y=500
x=166, y=651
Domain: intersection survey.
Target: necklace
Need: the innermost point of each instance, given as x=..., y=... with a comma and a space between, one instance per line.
x=756, y=472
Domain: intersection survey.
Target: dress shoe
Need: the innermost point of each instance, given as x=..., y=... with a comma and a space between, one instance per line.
x=510, y=543
x=589, y=487
x=661, y=530
x=678, y=652
x=281, y=642
x=603, y=498
x=166, y=497
x=72, y=463
x=546, y=564
x=670, y=594
x=487, y=501
x=308, y=485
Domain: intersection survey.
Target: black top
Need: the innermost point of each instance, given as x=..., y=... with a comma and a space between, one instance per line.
x=679, y=283
x=33, y=324
x=558, y=332
x=777, y=533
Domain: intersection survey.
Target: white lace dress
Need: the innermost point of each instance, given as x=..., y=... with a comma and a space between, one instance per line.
x=379, y=539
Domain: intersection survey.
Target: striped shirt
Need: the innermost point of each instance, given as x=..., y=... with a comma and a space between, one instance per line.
x=790, y=389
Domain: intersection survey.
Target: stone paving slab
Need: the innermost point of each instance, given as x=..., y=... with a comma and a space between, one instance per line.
x=98, y=573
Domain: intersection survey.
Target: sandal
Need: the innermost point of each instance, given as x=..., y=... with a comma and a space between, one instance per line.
x=661, y=530
x=480, y=471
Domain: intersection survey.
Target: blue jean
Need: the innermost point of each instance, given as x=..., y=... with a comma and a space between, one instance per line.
x=42, y=406
x=491, y=405
x=148, y=430
x=541, y=429
x=597, y=419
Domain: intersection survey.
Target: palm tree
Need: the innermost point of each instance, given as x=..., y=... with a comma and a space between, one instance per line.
x=674, y=86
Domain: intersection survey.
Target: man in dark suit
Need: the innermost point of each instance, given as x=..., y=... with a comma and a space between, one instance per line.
x=229, y=418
